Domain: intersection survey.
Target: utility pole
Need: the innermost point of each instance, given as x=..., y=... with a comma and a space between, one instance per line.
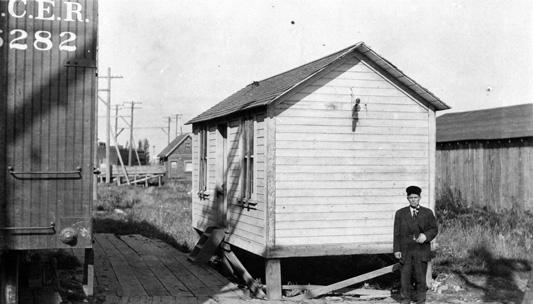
x=177, y=123
x=168, y=133
x=130, y=156
x=167, y=130
x=116, y=119
x=108, y=122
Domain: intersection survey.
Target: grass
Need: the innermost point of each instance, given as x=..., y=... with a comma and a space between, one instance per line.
x=471, y=237
x=156, y=212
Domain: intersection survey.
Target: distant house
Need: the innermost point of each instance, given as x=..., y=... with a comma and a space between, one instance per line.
x=314, y=161
x=177, y=158
x=124, y=153
x=485, y=157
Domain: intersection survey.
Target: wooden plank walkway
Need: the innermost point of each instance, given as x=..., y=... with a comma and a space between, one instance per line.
x=135, y=269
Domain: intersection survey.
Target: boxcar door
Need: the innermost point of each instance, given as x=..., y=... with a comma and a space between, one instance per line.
x=47, y=122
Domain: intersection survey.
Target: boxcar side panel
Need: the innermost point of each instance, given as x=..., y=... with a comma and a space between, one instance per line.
x=49, y=94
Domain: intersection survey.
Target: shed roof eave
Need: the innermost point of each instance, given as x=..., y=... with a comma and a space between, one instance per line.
x=360, y=48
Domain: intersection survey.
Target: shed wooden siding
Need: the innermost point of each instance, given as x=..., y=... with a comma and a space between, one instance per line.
x=496, y=174
x=337, y=186
x=246, y=227
x=204, y=211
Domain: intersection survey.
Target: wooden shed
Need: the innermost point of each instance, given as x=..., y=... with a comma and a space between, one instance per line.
x=485, y=157
x=177, y=158
x=314, y=161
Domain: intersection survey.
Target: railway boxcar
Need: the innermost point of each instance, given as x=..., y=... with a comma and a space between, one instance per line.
x=48, y=91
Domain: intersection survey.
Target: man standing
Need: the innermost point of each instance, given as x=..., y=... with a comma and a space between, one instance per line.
x=414, y=228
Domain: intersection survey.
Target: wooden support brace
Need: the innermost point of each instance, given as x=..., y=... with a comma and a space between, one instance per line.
x=273, y=278
x=300, y=287
x=369, y=293
x=358, y=279
x=239, y=268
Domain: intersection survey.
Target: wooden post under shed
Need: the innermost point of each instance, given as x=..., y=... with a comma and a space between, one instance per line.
x=273, y=278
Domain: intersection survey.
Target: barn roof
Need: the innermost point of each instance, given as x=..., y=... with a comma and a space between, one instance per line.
x=173, y=145
x=264, y=92
x=496, y=123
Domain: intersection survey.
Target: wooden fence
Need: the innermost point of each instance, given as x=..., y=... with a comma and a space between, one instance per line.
x=136, y=174
x=496, y=173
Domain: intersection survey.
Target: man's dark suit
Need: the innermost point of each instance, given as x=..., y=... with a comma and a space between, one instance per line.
x=415, y=256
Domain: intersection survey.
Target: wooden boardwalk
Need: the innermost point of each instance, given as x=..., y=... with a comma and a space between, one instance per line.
x=136, y=269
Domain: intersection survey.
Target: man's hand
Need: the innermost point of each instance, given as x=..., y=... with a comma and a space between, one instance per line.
x=398, y=255
x=421, y=238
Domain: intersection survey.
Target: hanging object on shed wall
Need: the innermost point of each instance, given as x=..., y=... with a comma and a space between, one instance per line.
x=355, y=110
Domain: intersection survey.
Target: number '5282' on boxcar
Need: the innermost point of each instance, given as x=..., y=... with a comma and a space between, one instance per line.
x=48, y=97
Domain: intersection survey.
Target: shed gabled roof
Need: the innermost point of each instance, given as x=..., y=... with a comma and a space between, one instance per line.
x=264, y=92
x=496, y=123
x=173, y=145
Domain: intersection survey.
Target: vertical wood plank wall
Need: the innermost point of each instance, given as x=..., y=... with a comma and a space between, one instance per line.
x=47, y=124
x=497, y=174
x=338, y=186
x=246, y=226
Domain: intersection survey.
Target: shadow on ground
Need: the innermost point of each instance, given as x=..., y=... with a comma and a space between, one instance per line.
x=144, y=228
x=497, y=278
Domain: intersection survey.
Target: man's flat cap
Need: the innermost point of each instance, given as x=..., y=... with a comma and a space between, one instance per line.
x=413, y=190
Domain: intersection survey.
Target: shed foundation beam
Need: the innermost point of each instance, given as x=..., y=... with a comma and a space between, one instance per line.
x=273, y=278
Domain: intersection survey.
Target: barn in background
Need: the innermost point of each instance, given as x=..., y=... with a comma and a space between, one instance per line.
x=177, y=158
x=485, y=157
x=314, y=161
x=124, y=153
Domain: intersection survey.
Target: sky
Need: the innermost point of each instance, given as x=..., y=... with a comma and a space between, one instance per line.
x=183, y=57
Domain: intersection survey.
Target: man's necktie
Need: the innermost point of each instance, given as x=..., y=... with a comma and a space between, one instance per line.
x=415, y=211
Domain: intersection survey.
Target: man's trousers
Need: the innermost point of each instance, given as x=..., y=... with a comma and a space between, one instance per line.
x=413, y=265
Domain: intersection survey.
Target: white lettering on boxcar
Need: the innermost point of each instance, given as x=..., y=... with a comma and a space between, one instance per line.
x=46, y=10
x=11, y=8
x=73, y=8
x=44, y=6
